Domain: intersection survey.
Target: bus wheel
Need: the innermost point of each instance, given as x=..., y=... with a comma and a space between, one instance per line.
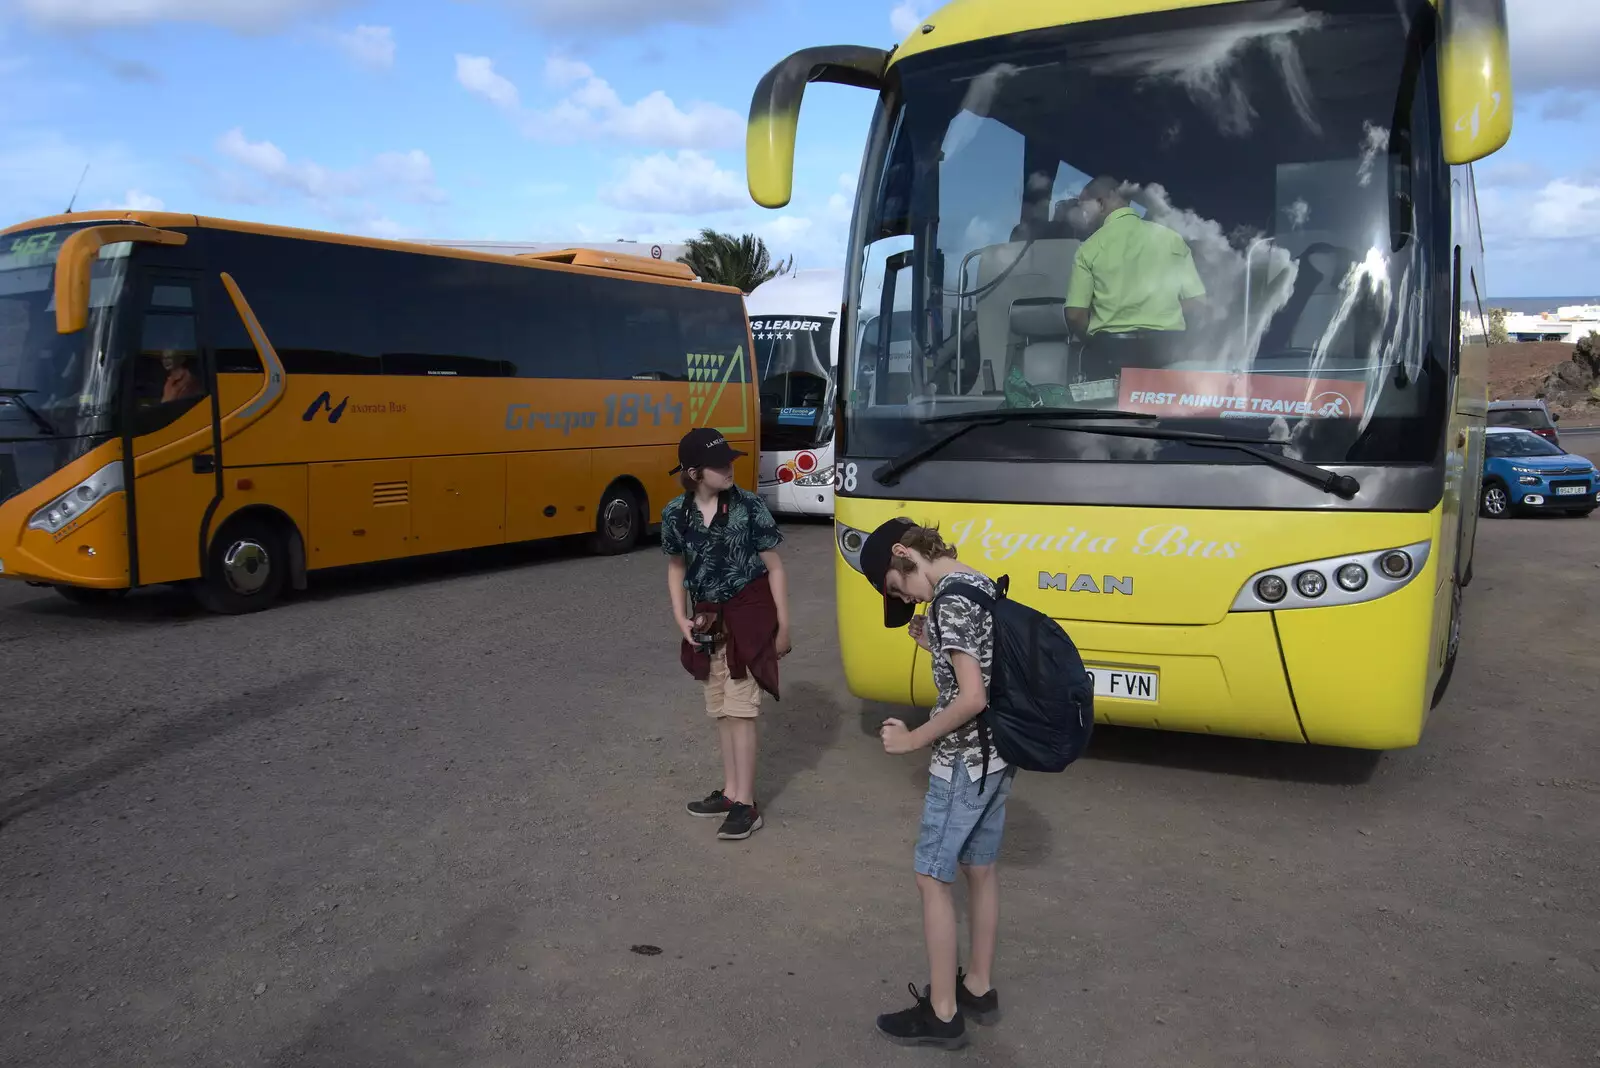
x=619, y=523
x=86, y=597
x=246, y=571
x=1452, y=645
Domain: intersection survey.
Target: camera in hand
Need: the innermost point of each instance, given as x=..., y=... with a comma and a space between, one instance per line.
x=704, y=628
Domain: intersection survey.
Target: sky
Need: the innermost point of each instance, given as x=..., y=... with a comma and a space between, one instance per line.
x=582, y=120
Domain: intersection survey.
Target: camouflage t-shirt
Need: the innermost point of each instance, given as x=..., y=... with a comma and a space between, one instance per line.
x=725, y=557
x=960, y=625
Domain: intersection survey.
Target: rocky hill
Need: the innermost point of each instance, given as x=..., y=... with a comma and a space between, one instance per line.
x=1566, y=377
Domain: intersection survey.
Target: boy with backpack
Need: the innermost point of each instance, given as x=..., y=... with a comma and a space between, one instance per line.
x=984, y=649
x=730, y=600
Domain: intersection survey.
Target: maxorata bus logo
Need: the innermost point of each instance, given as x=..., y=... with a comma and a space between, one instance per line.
x=324, y=403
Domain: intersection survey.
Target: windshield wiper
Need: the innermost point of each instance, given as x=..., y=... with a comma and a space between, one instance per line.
x=1022, y=415
x=1328, y=481
x=889, y=473
x=16, y=397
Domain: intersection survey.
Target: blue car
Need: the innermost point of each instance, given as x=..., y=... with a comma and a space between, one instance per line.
x=1524, y=472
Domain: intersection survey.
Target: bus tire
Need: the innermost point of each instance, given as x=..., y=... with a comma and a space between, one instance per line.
x=619, y=521
x=246, y=569
x=1452, y=646
x=90, y=598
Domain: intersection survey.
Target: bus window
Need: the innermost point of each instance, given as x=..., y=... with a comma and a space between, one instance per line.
x=638, y=331
x=168, y=376
x=318, y=302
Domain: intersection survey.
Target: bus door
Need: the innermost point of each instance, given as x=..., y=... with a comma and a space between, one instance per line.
x=172, y=436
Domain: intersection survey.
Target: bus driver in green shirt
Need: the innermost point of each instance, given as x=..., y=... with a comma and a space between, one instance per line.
x=1133, y=281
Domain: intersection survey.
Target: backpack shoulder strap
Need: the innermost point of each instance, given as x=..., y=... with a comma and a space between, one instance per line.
x=970, y=592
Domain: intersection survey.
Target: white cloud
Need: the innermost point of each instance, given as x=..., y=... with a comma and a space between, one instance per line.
x=368, y=47
x=842, y=202
x=1553, y=44
x=245, y=16
x=592, y=109
x=1539, y=237
x=686, y=184
x=134, y=200
x=352, y=197
x=477, y=75
x=906, y=17
x=385, y=227
x=628, y=15
x=1564, y=210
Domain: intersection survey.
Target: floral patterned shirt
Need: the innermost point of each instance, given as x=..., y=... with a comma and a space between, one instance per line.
x=725, y=557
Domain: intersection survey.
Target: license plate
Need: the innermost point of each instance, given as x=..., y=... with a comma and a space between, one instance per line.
x=1571, y=491
x=1128, y=685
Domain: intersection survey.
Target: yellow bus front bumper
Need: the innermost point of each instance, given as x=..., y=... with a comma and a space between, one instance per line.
x=1355, y=675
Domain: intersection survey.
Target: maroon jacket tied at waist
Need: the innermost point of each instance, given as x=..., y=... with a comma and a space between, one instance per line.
x=750, y=631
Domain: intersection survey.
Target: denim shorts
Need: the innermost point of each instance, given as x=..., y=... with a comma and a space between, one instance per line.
x=961, y=826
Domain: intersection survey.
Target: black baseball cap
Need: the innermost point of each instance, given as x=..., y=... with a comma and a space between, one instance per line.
x=705, y=446
x=875, y=556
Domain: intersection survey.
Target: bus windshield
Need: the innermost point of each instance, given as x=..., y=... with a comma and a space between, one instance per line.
x=57, y=391
x=794, y=366
x=1231, y=219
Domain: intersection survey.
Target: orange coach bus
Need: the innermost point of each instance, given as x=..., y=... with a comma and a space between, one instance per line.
x=230, y=406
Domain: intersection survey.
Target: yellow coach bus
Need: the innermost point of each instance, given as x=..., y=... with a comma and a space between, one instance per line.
x=1176, y=320
x=230, y=406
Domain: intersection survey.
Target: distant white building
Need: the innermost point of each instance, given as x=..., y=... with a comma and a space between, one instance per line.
x=1570, y=324
x=668, y=252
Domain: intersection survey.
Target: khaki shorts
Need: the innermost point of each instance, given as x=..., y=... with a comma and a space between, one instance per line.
x=728, y=696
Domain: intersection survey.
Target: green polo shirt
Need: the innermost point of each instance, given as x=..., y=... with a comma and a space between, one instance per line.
x=1131, y=274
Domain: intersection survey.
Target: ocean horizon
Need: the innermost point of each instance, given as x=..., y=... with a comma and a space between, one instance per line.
x=1535, y=305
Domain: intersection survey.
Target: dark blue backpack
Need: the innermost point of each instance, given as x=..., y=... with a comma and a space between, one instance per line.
x=1041, y=700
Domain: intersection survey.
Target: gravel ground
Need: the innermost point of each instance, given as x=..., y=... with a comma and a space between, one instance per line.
x=425, y=814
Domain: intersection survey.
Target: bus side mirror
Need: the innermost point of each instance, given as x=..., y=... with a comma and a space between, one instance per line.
x=75, y=265
x=775, y=111
x=1474, y=79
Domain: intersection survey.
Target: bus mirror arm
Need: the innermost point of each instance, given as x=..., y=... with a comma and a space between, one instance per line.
x=75, y=266
x=892, y=266
x=775, y=110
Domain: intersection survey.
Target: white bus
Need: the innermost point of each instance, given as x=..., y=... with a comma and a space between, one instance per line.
x=793, y=319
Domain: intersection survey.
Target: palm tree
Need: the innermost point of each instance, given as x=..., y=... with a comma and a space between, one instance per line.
x=732, y=261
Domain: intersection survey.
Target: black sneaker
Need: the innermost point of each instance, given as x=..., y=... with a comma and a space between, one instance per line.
x=742, y=822
x=984, y=1010
x=921, y=1026
x=715, y=803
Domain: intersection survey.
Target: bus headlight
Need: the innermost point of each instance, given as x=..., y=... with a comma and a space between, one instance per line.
x=79, y=499
x=1272, y=589
x=851, y=541
x=1311, y=584
x=1351, y=577
x=819, y=477
x=1396, y=564
x=1357, y=577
